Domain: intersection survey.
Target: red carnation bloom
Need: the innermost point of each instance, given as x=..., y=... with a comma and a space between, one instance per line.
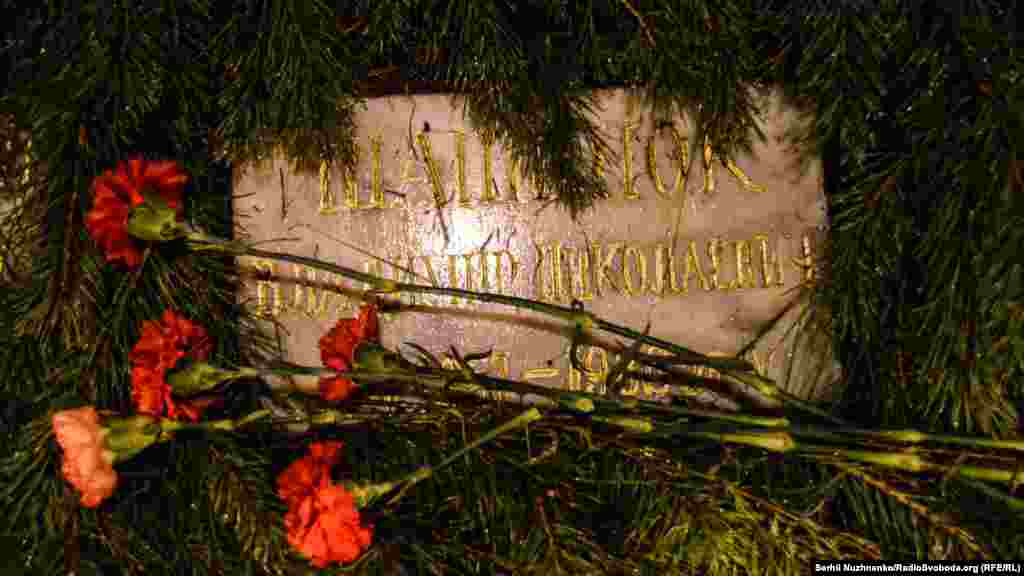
x=326, y=527
x=158, y=350
x=322, y=521
x=116, y=192
x=338, y=348
x=302, y=477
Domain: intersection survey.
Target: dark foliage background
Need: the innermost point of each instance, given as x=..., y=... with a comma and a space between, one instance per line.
x=917, y=119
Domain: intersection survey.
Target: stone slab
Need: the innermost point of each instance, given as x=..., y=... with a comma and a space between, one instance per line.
x=704, y=251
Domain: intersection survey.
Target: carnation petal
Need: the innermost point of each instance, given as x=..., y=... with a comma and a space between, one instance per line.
x=80, y=437
x=336, y=389
x=368, y=325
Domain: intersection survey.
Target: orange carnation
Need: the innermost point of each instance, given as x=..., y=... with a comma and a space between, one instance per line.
x=326, y=527
x=302, y=477
x=162, y=344
x=338, y=348
x=116, y=192
x=88, y=464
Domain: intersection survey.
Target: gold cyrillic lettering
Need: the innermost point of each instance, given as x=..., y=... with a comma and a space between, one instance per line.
x=296, y=289
x=640, y=264
x=596, y=363
x=315, y=307
x=540, y=373
x=467, y=281
x=431, y=274
x=665, y=267
x=485, y=283
x=604, y=265
x=713, y=253
x=744, y=266
x=552, y=289
x=487, y=191
x=639, y=387
x=709, y=170
x=682, y=163
x=460, y=168
x=662, y=266
x=453, y=277
x=499, y=363
x=771, y=264
x=513, y=175
x=263, y=308
x=693, y=265
x=376, y=184
x=328, y=201
x=351, y=189
x=743, y=178
x=499, y=285
x=433, y=171
x=806, y=262
x=579, y=263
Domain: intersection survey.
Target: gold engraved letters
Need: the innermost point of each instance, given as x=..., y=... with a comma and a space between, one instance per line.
x=702, y=245
x=486, y=188
x=564, y=272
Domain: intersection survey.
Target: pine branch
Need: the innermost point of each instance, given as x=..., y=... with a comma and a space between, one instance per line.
x=237, y=497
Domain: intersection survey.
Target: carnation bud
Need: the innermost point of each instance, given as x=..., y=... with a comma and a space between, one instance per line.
x=127, y=436
x=373, y=357
x=365, y=494
x=640, y=425
x=774, y=441
x=198, y=377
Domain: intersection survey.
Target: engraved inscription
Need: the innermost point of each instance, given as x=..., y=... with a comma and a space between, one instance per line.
x=706, y=251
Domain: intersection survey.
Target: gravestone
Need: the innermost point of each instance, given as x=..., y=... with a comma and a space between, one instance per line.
x=704, y=251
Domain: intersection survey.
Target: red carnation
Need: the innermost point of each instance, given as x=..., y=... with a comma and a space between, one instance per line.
x=162, y=344
x=301, y=478
x=338, y=347
x=116, y=192
x=322, y=521
x=326, y=527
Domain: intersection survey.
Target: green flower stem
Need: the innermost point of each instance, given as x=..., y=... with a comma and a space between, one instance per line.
x=911, y=462
x=911, y=437
x=769, y=389
x=916, y=437
x=989, y=474
x=521, y=421
x=622, y=413
x=772, y=440
x=414, y=478
x=685, y=355
x=480, y=384
x=742, y=369
x=226, y=425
